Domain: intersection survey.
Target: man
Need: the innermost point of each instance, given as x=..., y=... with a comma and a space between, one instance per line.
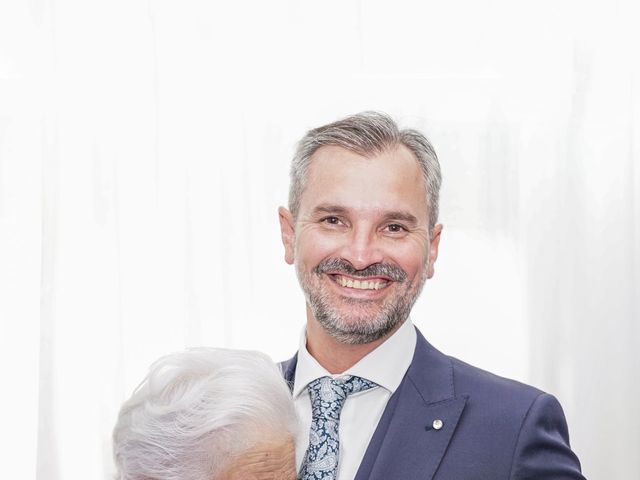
x=208, y=414
x=376, y=400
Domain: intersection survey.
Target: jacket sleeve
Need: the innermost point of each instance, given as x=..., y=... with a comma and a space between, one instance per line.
x=542, y=451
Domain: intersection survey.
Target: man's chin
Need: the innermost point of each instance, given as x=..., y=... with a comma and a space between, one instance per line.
x=354, y=336
x=356, y=330
x=353, y=320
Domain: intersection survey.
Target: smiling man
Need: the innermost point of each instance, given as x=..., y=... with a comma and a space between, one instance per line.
x=376, y=400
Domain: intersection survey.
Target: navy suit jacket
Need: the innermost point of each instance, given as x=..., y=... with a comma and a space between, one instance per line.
x=492, y=428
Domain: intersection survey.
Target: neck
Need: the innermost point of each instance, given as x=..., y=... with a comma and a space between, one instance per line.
x=334, y=356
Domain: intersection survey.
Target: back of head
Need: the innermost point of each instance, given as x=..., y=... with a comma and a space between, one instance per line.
x=198, y=408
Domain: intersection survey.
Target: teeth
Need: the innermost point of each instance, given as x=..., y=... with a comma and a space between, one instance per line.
x=361, y=284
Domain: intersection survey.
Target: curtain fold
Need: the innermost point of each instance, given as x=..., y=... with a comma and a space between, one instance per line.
x=144, y=150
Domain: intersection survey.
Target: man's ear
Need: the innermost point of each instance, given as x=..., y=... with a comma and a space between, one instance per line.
x=433, y=248
x=287, y=231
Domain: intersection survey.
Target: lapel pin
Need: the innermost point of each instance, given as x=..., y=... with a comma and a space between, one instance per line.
x=437, y=424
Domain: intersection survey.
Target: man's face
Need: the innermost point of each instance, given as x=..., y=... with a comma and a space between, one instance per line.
x=265, y=461
x=361, y=242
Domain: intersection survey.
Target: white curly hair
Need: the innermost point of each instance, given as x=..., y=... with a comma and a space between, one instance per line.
x=198, y=408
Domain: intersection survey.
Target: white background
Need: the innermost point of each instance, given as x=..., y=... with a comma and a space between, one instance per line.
x=144, y=150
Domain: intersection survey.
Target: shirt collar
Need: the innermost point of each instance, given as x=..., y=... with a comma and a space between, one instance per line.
x=386, y=365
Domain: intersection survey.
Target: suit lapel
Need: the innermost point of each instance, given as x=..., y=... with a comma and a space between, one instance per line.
x=288, y=368
x=412, y=448
x=405, y=443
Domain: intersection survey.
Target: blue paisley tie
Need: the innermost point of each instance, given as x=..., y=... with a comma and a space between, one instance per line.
x=327, y=399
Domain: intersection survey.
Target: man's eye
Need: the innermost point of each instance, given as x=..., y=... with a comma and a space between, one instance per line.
x=331, y=220
x=395, y=228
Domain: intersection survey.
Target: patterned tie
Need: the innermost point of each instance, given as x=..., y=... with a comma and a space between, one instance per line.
x=327, y=399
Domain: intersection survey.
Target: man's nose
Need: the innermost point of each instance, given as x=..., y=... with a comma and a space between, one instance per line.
x=362, y=249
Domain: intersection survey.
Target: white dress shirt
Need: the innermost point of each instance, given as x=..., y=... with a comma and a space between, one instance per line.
x=386, y=366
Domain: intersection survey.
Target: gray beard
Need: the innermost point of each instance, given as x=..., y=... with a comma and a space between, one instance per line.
x=364, y=328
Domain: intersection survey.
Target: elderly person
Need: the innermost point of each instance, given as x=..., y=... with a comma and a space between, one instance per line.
x=208, y=414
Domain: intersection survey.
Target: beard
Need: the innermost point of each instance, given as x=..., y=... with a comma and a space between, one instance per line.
x=367, y=320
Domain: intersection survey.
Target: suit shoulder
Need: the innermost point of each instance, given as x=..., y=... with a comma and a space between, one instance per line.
x=498, y=404
x=483, y=385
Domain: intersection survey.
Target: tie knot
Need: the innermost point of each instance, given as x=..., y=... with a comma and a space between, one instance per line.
x=352, y=384
x=330, y=390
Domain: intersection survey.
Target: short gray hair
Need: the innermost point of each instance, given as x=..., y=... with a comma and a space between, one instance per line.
x=196, y=409
x=366, y=133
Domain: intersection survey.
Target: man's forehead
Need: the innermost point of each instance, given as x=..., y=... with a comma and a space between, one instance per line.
x=335, y=162
x=389, y=181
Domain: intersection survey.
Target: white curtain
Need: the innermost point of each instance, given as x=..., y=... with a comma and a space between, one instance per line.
x=144, y=150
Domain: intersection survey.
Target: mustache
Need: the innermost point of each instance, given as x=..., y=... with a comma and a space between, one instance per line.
x=335, y=265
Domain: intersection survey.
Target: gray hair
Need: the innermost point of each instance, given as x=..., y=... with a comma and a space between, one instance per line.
x=196, y=409
x=366, y=133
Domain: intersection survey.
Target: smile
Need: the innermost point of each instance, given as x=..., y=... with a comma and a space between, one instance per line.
x=372, y=284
